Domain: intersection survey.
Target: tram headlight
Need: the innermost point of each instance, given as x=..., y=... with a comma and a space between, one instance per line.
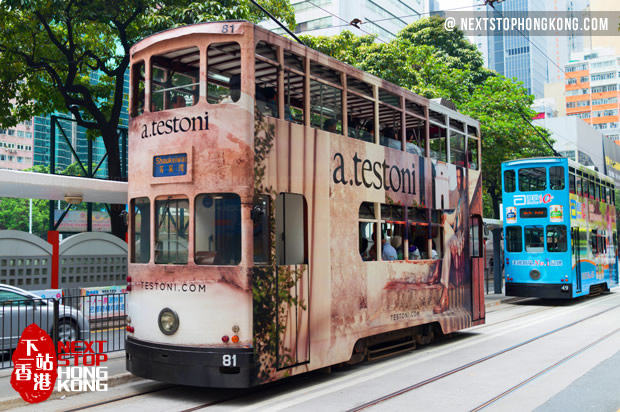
x=168, y=321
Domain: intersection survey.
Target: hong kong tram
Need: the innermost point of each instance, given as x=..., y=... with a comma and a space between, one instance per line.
x=560, y=231
x=290, y=212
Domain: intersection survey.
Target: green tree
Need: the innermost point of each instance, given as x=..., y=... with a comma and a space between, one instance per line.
x=15, y=215
x=49, y=51
x=432, y=62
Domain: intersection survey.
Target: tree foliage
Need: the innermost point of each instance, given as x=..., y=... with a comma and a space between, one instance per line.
x=432, y=62
x=72, y=56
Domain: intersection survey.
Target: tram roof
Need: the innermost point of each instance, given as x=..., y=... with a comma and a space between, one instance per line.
x=205, y=28
x=30, y=185
x=554, y=159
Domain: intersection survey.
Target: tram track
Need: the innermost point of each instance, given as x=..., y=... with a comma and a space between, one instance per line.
x=121, y=398
x=486, y=358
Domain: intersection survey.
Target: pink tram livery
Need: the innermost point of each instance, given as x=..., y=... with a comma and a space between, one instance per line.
x=290, y=212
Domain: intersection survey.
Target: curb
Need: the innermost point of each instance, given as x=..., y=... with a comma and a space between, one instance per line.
x=500, y=301
x=116, y=380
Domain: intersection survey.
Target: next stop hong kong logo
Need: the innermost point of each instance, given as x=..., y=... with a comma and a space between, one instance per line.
x=36, y=366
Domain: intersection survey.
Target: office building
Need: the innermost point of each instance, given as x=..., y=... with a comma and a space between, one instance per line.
x=16, y=147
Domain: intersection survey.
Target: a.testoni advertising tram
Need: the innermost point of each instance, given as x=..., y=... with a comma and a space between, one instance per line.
x=290, y=212
x=559, y=229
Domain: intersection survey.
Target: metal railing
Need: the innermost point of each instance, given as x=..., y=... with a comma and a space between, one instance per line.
x=95, y=318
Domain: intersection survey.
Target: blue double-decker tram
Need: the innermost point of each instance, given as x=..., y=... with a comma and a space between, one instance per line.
x=559, y=229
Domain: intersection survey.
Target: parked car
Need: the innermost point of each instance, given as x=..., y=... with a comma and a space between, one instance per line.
x=19, y=308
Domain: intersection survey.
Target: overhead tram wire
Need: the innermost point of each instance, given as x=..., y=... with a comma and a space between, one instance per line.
x=277, y=22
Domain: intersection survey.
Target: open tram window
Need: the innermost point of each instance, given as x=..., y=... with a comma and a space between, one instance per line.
x=392, y=232
x=171, y=230
x=261, y=229
x=534, y=239
x=325, y=98
x=266, y=71
x=532, y=179
x=415, y=135
x=294, y=90
x=138, y=76
x=514, y=239
x=571, y=183
x=174, y=79
x=389, y=120
x=556, y=178
x=457, y=148
x=140, y=230
x=557, y=240
x=438, y=144
x=472, y=153
x=217, y=229
x=223, y=73
x=360, y=110
x=368, y=233
x=510, y=181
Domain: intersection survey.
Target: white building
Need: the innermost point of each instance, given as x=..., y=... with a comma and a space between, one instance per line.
x=385, y=18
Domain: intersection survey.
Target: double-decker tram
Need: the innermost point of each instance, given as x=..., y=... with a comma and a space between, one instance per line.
x=290, y=212
x=559, y=229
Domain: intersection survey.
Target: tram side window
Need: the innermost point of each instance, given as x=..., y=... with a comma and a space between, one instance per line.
x=174, y=79
x=578, y=188
x=514, y=239
x=266, y=79
x=325, y=100
x=291, y=221
x=261, y=230
x=389, y=120
x=368, y=233
x=475, y=236
x=360, y=110
x=415, y=135
x=472, y=151
x=171, y=230
x=597, y=191
x=534, y=239
x=294, y=90
x=591, y=188
x=438, y=144
x=532, y=179
x=556, y=238
x=392, y=232
x=556, y=178
x=138, y=75
x=217, y=229
x=510, y=182
x=141, y=230
x=586, y=190
x=571, y=183
x=223, y=73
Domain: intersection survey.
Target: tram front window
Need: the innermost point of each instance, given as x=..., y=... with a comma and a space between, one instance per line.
x=534, y=239
x=171, y=230
x=218, y=229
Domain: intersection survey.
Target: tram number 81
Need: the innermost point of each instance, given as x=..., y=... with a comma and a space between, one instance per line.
x=229, y=360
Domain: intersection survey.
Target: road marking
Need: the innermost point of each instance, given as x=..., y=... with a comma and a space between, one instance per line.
x=375, y=372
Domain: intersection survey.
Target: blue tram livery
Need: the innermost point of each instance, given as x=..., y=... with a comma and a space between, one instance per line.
x=559, y=229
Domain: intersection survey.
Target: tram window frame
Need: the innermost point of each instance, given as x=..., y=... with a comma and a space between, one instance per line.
x=510, y=181
x=591, y=189
x=160, y=250
x=557, y=178
x=585, y=183
x=325, y=121
x=390, y=126
x=294, y=89
x=140, y=206
x=173, y=92
x=220, y=85
x=419, y=220
x=368, y=230
x=138, y=88
x=472, y=151
x=514, y=239
x=476, y=236
x=393, y=225
x=261, y=233
x=227, y=249
x=571, y=183
x=361, y=116
x=415, y=135
x=597, y=191
x=527, y=184
x=578, y=186
x=266, y=80
x=561, y=235
x=438, y=142
x=529, y=233
x=457, y=144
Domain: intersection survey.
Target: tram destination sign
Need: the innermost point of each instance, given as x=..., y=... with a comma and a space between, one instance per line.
x=533, y=212
x=170, y=165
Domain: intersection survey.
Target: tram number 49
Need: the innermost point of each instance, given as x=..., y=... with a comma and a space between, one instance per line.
x=228, y=28
x=229, y=360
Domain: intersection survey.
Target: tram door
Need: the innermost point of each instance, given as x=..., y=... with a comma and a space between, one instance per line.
x=577, y=235
x=292, y=281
